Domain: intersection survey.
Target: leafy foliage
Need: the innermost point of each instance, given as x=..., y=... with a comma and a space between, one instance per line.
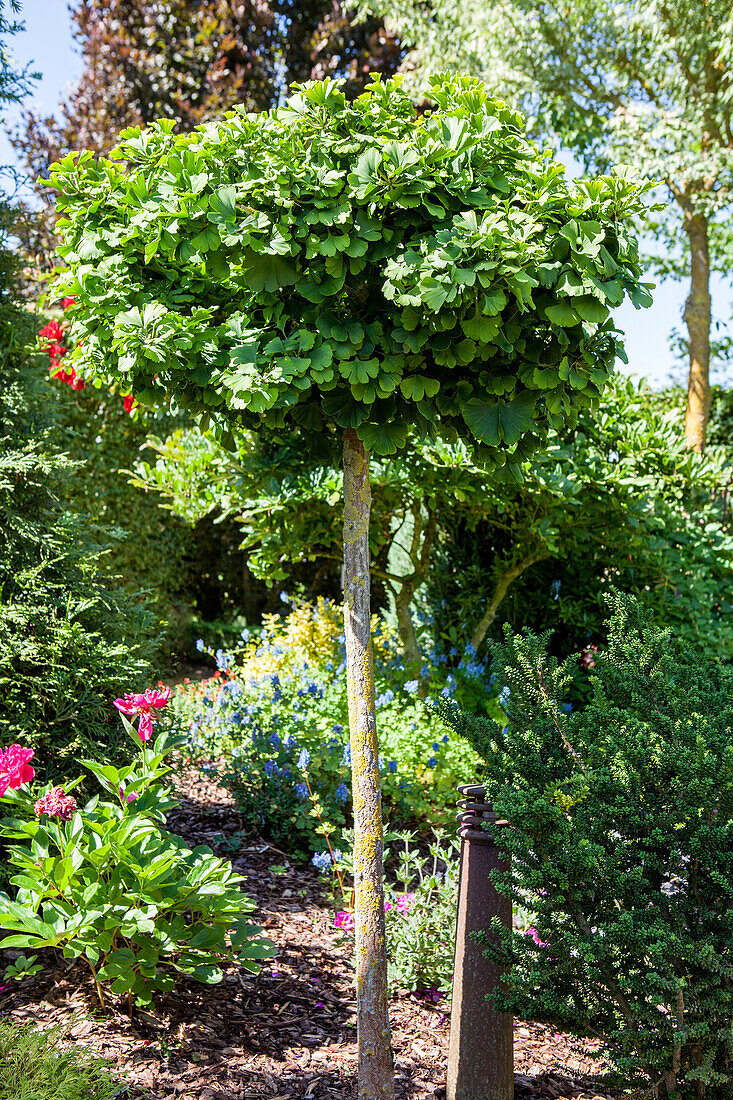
x=188, y=63
x=112, y=887
x=421, y=921
x=68, y=639
x=37, y=1067
x=350, y=264
x=619, y=502
x=65, y=637
x=644, y=84
x=620, y=819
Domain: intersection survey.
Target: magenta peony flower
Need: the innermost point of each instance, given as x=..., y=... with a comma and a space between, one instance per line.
x=534, y=934
x=344, y=920
x=56, y=804
x=403, y=903
x=144, y=705
x=14, y=768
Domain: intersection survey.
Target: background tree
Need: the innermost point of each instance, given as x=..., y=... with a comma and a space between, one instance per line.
x=188, y=61
x=620, y=502
x=645, y=84
x=352, y=268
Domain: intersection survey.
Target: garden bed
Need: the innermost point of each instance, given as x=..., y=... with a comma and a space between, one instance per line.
x=289, y=1033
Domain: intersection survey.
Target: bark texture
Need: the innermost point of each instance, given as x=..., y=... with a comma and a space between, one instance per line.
x=375, y=1069
x=697, y=319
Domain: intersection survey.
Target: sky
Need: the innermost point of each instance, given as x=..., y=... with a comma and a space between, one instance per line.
x=47, y=43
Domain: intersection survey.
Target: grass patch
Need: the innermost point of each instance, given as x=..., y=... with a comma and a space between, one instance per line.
x=34, y=1067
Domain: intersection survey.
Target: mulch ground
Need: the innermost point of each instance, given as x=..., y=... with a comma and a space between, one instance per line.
x=288, y=1033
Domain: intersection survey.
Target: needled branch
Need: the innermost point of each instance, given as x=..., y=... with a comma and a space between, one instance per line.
x=500, y=592
x=375, y=1069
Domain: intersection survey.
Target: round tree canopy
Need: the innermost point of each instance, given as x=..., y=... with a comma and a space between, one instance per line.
x=359, y=264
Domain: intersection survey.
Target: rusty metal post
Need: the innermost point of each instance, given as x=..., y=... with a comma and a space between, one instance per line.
x=481, y=1058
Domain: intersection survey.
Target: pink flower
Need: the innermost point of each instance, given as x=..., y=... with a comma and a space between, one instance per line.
x=403, y=903
x=131, y=796
x=56, y=804
x=144, y=705
x=534, y=934
x=387, y=906
x=14, y=768
x=344, y=920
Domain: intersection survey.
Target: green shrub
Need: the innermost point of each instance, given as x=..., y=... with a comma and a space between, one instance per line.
x=36, y=1067
x=275, y=720
x=621, y=842
x=107, y=884
x=68, y=641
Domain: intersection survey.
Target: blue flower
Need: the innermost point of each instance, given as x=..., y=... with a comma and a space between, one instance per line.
x=445, y=738
x=436, y=746
x=275, y=741
x=342, y=793
x=271, y=769
x=200, y=645
x=346, y=758
x=284, y=597
x=301, y=789
x=244, y=635
x=392, y=766
x=322, y=860
x=304, y=760
x=432, y=762
x=504, y=695
x=386, y=697
x=411, y=686
x=338, y=728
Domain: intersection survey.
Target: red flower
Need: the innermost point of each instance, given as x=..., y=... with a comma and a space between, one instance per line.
x=66, y=302
x=144, y=705
x=54, y=331
x=129, y=402
x=14, y=768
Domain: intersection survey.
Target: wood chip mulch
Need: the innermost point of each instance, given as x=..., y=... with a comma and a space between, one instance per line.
x=288, y=1033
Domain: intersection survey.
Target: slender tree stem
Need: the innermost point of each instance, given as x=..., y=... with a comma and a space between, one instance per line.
x=375, y=1068
x=502, y=587
x=697, y=319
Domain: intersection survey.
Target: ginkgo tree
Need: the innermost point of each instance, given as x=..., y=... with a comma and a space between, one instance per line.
x=355, y=268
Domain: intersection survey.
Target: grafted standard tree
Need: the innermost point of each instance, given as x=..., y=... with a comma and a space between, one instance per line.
x=353, y=268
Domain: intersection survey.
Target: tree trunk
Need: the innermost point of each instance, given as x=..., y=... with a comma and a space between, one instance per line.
x=500, y=592
x=375, y=1068
x=697, y=319
x=402, y=599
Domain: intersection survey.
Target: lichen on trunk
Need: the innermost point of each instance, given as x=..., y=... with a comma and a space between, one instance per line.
x=375, y=1068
